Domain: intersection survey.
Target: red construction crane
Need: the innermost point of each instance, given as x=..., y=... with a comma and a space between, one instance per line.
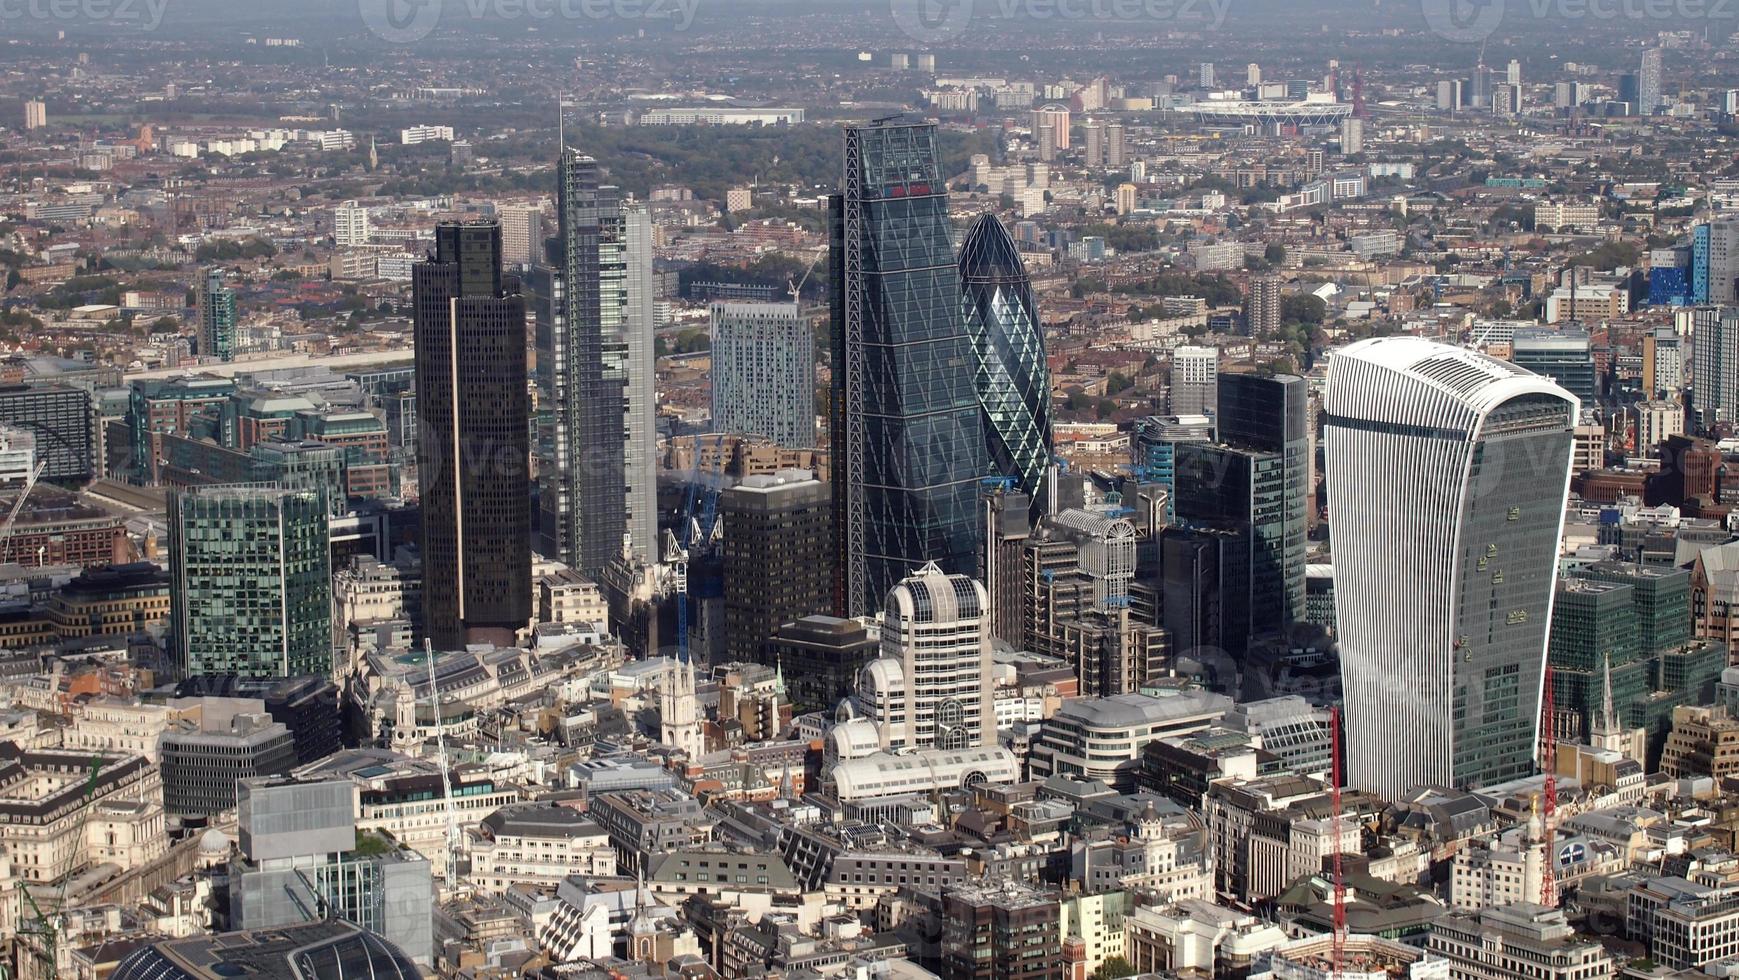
x=1548, y=820
x=1340, y=882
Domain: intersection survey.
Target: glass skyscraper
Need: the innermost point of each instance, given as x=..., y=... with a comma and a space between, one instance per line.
x=908, y=445
x=474, y=445
x=1010, y=373
x=217, y=317
x=1447, y=476
x=251, y=581
x=595, y=362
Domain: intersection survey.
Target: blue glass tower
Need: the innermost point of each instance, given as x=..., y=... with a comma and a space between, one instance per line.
x=1010, y=373
x=908, y=447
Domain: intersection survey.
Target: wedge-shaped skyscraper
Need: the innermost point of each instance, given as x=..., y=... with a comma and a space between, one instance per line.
x=908, y=446
x=1010, y=373
x=1447, y=476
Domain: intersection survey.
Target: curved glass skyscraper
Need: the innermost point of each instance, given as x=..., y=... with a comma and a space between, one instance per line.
x=1447, y=475
x=1009, y=369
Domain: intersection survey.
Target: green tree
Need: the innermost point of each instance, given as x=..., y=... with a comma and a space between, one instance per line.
x=1114, y=968
x=1274, y=254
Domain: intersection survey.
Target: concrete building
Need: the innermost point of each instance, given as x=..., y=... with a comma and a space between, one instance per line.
x=536, y=843
x=763, y=372
x=521, y=233
x=205, y=758
x=1102, y=738
x=1262, y=307
x=35, y=114
x=350, y=225
x=1488, y=945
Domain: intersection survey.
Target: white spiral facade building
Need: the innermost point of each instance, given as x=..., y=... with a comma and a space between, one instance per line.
x=1447, y=476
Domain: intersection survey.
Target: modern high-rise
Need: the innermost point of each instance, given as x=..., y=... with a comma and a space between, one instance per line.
x=594, y=350
x=1269, y=413
x=1206, y=76
x=778, y=556
x=908, y=449
x=1648, y=82
x=1715, y=262
x=1010, y=373
x=1715, y=338
x=35, y=114
x=251, y=581
x=1262, y=307
x=1514, y=74
x=217, y=317
x=1195, y=374
x=1565, y=356
x=931, y=686
x=521, y=233
x=763, y=372
x=1057, y=117
x=1447, y=471
x=473, y=451
x=1154, y=448
x=350, y=225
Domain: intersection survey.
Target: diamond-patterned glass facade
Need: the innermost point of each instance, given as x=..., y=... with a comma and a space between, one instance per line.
x=908, y=448
x=1010, y=374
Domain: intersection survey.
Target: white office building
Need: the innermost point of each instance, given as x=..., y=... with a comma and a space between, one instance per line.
x=350, y=225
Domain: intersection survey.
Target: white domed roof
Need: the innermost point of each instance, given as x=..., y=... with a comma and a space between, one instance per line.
x=214, y=841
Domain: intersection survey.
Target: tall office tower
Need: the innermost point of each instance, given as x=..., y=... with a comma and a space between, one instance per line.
x=778, y=556
x=1565, y=356
x=250, y=581
x=521, y=233
x=1008, y=523
x=1514, y=75
x=763, y=372
x=930, y=687
x=350, y=225
x=1116, y=146
x=1448, y=471
x=1010, y=373
x=1352, y=135
x=1595, y=650
x=1648, y=82
x=1195, y=380
x=1715, y=262
x=1252, y=74
x=1630, y=91
x=1262, y=308
x=1269, y=413
x=474, y=447
x=1715, y=338
x=908, y=450
x=594, y=339
x=1095, y=149
x=1207, y=74
x=217, y=317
